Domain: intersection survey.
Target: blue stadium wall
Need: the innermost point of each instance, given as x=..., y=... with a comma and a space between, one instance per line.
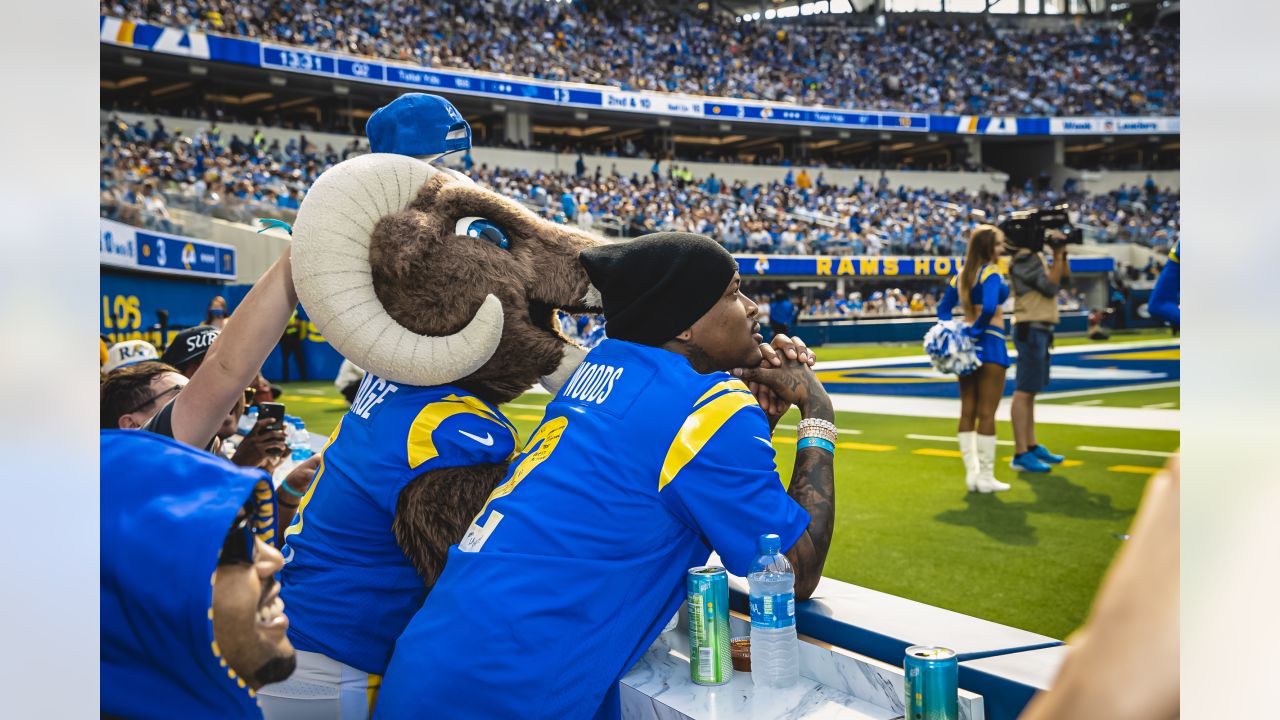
x=129, y=300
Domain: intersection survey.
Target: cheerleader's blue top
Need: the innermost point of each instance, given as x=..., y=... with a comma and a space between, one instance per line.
x=1167, y=294
x=348, y=586
x=166, y=508
x=640, y=468
x=993, y=290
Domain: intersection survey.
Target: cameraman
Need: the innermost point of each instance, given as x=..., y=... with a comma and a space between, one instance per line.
x=1035, y=314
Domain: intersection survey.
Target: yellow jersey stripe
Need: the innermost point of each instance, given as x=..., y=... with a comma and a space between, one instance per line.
x=697, y=430
x=721, y=387
x=421, y=446
x=371, y=688
x=295, y=527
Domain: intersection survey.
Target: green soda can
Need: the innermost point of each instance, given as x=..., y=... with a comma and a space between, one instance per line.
x=708, y=592
x=932, y=683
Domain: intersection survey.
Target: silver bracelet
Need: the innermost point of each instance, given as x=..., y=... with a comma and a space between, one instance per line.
x=807, y=423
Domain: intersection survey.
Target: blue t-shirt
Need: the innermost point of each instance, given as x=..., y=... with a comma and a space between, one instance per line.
x=639, y=469
x=782, y=312
x=349, y=588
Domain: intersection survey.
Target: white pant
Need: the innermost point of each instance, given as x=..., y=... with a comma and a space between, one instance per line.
x=320, y=688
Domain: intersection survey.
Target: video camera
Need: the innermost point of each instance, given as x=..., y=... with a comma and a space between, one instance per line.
x=1030, y=228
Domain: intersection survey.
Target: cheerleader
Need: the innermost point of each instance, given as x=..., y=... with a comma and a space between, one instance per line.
x=980, y=290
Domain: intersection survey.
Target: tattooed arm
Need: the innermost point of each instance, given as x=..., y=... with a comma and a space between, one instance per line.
x=813, y=478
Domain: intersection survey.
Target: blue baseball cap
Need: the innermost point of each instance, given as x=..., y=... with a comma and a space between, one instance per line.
x=417, y=124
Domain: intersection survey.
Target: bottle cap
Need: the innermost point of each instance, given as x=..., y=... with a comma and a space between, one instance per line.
x=770, y=544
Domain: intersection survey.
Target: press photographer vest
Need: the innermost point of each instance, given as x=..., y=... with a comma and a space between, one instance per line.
x=1029, y=304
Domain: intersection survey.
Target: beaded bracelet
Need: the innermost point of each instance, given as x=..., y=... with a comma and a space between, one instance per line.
x=285, y=486
x=817, y=442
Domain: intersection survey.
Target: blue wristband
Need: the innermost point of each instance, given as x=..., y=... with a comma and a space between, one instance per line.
x=820, y=443
x=285, y=487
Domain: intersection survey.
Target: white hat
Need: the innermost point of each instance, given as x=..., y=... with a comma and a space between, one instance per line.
x=129, y=352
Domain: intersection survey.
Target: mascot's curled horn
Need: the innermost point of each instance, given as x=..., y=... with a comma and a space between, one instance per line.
x=445, y=293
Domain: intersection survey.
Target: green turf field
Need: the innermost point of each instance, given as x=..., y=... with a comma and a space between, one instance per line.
x=1162, y=398
x=858, y=352
x=1031, y=557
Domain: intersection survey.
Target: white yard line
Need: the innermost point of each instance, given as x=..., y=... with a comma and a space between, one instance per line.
x=944, y=438
x=1104, y=391
x=1159, y=406
x=1120, y=417
x=1086, y=403
x=1124, y=451
x=920, y=356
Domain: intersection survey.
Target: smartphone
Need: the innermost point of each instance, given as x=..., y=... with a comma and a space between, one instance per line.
x=273, y=411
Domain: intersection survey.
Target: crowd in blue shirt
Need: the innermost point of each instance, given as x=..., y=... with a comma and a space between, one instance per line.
x=960, y=67
x=797, y=217
x=207, y=171
x=146, y=169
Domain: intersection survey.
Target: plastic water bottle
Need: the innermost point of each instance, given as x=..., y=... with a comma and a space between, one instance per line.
x=300, y=442
x=775, y=650
x=289, y=461
x=247, y=421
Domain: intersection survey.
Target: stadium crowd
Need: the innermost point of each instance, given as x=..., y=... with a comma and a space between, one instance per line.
x=145, y=171
x=913, y=65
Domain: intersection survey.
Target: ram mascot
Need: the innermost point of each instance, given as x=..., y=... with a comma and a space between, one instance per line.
x=446, y=294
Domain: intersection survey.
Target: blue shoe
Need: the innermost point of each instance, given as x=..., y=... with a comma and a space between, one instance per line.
x=1028, y=462
x=1043, y=455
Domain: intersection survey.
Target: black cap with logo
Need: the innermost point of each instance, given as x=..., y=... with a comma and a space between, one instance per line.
x=188, y=345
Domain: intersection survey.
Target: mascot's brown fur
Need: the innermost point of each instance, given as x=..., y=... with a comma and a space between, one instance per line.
x=433, y=283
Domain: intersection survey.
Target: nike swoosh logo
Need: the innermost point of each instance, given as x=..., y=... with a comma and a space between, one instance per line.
x=487, y=440
x=766, y=442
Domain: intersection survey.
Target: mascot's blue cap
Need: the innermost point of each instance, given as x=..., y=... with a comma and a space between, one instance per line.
x=417, y=124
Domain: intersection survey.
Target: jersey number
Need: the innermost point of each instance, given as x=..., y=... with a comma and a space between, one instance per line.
x=537, y=450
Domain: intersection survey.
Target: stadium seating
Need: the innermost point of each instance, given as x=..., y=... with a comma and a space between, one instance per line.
x=240, y=179
x=969, y=67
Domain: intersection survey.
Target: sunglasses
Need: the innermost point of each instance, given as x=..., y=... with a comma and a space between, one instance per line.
x=147, y=403
x=255, y=520
x=239, y=547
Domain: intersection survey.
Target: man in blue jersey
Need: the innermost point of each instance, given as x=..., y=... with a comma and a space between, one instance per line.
x=650, y=457
x=1167, y=294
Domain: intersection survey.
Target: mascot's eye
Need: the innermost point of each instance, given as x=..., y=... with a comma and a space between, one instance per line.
x=478, y=227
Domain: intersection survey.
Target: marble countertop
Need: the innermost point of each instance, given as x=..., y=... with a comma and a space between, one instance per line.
x=834, y=684
x=659, y=688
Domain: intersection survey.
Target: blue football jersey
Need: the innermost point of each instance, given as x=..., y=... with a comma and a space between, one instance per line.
x=640, y=468
x=350, y=589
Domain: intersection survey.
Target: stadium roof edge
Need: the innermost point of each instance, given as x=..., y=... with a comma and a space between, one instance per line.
x=340, y=67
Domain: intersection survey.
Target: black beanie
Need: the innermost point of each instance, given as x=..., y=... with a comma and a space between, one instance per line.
x=655, y=287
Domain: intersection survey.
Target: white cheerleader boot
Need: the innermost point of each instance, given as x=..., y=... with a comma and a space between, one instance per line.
x=986, y=481
x=969, y=454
